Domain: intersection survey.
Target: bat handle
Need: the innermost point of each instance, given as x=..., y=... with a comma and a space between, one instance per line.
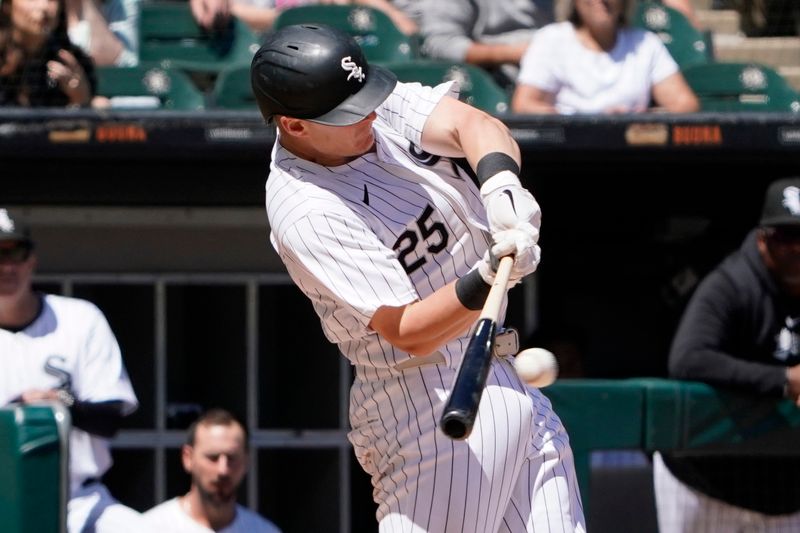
x=494, y=301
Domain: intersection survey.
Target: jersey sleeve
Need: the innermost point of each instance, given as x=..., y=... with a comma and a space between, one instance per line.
x=102, y=375
x=410, y=104
x=339, y=263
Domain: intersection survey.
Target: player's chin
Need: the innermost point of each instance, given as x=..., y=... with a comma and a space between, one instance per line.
x=221, y=497
x=364, y=143
x=8, y=286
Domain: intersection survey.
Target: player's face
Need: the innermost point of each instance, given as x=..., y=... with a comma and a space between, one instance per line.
x=217, y=462
x=780, y=248
x=34, y=19
x=17, y=263
x=334, y=145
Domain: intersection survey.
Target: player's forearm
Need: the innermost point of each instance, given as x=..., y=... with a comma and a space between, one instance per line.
x=103, y=419
x=720, y=369
x=98, y=418
x=484, y=135
x=422, y=327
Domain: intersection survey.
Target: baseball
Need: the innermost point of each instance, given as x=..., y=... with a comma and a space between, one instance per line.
x=537, y=367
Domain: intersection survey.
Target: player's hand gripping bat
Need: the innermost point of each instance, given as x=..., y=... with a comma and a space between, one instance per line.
x=462, y=406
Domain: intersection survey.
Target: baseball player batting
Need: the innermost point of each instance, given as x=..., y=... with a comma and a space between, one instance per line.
x=375, y=214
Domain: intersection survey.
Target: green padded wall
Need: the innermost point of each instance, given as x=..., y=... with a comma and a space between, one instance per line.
x=32, y=474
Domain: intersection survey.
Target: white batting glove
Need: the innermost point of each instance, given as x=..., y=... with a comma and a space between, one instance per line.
x=521, y=242
x=508, y=203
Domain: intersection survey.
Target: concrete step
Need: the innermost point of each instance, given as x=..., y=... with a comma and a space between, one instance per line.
x=774, y=51
x=792, y=75
x=720, y=21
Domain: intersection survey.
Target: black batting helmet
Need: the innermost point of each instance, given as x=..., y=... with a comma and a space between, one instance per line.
x=317, y=73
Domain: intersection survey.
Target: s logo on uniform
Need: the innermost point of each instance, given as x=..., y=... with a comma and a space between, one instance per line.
x=64, y=377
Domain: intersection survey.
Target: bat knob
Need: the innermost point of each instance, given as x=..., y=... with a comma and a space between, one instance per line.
x=455, y=425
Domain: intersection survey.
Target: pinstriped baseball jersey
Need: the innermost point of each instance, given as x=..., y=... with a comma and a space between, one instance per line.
x=69, y=344
x=386, y=229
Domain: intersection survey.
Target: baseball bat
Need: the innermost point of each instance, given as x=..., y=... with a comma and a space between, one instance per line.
x=461, y=408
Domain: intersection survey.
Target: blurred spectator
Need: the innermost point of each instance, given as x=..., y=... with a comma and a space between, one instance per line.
x=594, y=63
x=106, y=30
x=260, y=15
x=59, y=349
x=490, y=33
x=215, y=456
x=686, y=8
x=211, y=13
x=401, y=18
x=740, y=330
x=411, y=8
x=39, y=66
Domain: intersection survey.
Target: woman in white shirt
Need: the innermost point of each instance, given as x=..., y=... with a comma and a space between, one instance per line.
x=594, y=63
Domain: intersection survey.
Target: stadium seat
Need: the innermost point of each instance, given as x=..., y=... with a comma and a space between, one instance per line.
x=168, y=34
x=374, y=30
x=741, y=87
x=148, y=87
x=232, y=89
x=477, y=86
x=687, y=45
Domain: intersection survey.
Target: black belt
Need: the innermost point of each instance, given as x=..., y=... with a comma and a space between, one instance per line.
x=89, y=481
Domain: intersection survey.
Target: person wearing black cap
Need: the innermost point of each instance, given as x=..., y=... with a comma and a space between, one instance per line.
x=59, y=349
x=373, y=209
x=741, y=329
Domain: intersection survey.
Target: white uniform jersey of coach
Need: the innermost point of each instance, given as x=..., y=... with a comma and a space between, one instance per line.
x=368, y=234
x=69, y=344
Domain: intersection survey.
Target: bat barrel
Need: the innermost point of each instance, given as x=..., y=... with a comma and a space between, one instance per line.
x=462, y=407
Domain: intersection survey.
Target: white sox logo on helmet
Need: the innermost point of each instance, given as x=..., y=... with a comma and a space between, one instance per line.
x=6, y=224
x=791, y=199
x=355, y=71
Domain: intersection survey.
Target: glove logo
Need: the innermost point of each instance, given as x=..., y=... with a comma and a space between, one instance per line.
x=511, y=199
x=355, y=71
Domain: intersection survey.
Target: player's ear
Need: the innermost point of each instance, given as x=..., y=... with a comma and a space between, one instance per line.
x=292, y=126
x=186, y=457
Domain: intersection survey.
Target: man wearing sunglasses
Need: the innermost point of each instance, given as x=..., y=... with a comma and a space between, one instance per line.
x=59, y=349
x=741, y=329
